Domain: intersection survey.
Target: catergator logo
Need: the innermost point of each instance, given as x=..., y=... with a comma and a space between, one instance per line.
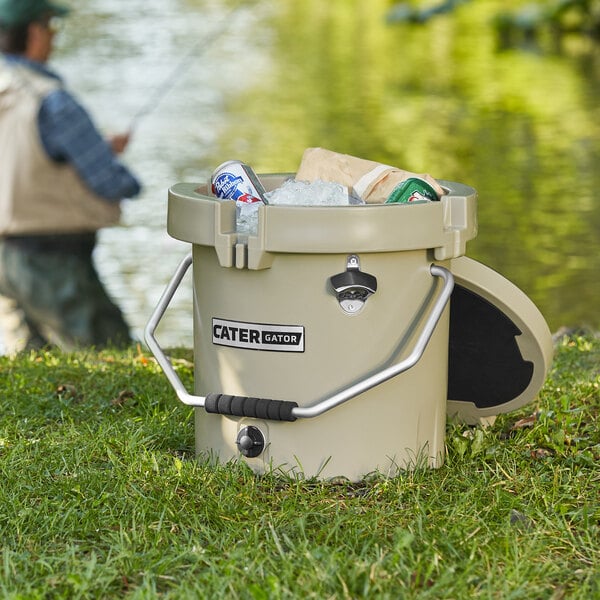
x=258, y=336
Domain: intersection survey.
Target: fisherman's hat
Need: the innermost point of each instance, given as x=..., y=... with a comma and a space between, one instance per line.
x=20, y=12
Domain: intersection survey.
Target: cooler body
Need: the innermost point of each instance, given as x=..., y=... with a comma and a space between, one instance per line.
x=270, y=323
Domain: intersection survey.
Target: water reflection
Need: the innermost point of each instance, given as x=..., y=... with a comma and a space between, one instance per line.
x=521, y=127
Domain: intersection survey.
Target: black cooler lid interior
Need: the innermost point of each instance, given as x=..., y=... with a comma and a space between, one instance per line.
x=500, y=347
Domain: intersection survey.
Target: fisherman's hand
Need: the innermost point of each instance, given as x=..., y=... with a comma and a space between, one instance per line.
x=119, y=142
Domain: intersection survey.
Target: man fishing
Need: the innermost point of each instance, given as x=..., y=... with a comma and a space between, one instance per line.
x=60, y=182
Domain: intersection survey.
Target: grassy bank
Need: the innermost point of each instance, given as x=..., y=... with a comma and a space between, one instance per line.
x=101, y=497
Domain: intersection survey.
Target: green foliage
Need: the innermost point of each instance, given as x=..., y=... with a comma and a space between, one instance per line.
x=515, y=26
x=558, y=17
x=102, y=497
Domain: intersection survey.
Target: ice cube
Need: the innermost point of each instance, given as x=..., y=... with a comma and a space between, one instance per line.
x=247, y=217
x=315, y=193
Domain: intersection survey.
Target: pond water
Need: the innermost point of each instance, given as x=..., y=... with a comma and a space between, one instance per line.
x=261, y=81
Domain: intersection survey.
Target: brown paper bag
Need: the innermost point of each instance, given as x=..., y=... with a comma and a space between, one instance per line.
x=371, y=181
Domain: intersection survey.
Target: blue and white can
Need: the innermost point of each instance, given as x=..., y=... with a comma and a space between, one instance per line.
x=235, y=180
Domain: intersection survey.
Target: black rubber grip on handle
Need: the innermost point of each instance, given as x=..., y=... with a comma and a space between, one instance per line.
x=244, y=406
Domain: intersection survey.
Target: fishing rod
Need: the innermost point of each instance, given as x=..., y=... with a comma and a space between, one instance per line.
x=202, y=45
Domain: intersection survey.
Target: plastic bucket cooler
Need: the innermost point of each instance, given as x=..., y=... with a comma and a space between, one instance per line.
x=321, y=343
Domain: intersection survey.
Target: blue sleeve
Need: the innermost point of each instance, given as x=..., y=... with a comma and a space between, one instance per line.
x=69, y=135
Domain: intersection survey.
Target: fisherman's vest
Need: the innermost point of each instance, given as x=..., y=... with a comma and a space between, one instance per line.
x=38, y=195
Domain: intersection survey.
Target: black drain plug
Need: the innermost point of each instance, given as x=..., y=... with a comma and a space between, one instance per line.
x=250, y=441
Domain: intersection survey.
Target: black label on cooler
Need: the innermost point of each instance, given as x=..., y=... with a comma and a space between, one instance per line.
x=258, y=336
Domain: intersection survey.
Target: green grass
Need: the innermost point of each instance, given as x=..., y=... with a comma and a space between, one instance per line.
x=101, y=497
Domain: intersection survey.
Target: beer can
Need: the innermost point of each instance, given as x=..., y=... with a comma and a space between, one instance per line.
x=412, y=191
x=235, y=180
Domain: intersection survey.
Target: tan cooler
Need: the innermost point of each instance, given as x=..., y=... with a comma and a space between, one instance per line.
x=322, y=343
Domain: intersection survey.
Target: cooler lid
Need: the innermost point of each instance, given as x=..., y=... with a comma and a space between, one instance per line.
x=500, y=347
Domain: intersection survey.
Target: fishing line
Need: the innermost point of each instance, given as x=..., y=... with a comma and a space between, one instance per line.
x=202, y=45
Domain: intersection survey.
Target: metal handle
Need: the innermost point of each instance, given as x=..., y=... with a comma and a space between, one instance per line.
x=151, y=326
x=281, y=410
